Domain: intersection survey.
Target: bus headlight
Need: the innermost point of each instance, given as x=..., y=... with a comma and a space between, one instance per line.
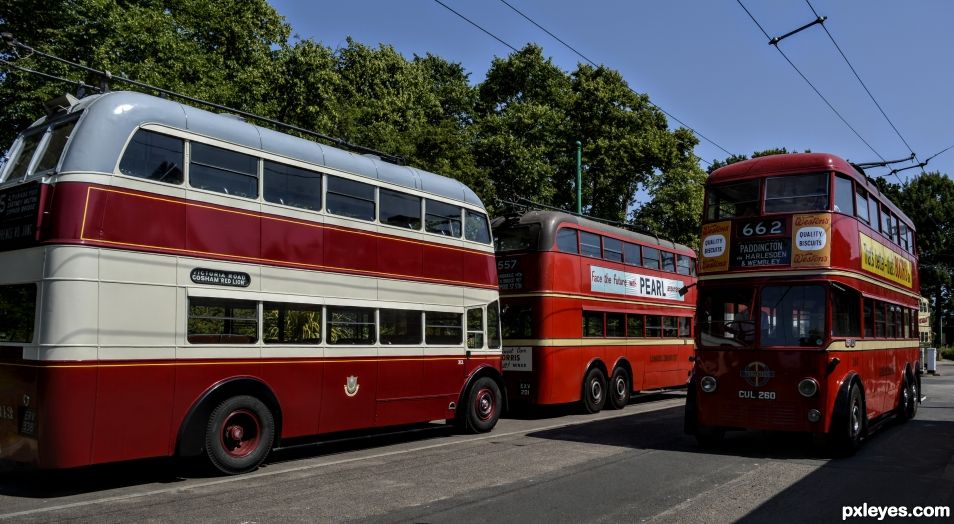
x=708, y=384
x=808, y=387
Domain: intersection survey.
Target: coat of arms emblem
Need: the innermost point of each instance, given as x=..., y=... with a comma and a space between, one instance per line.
x=351, y=387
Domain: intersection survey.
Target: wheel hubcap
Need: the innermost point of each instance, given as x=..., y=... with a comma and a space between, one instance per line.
x=621, y=387
x=855, y=419
x=241, y=433
x=485, y=404
x=596, y=390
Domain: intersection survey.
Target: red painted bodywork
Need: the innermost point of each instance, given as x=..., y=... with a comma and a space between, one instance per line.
x=880, y=371
x=89, y=412
x=563, y=280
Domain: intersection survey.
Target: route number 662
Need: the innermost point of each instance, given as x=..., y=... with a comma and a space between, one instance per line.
x=773, y=227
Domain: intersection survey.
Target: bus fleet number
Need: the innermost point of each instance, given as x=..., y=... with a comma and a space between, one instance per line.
x=775, y=227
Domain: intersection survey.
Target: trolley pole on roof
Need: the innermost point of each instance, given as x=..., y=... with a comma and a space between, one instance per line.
x=579, y=178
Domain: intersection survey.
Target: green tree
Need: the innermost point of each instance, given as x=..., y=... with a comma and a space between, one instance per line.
x=218, y=50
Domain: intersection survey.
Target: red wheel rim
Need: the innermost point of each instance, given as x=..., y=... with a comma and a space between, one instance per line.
x=485, y=404
x=241, y=433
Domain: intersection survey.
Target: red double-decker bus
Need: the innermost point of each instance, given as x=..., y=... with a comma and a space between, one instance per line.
x=591, y=312
x=178, y=282
x=807, y=304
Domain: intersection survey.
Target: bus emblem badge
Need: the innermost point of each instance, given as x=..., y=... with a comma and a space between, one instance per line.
x=351, y=387
x=757, y=374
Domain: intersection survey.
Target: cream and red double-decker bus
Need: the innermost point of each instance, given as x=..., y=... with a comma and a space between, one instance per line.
x=807, y=303
x=591, y=312
x=178, y=282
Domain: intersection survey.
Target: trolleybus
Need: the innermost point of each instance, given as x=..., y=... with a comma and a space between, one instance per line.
x=591, y=312
x=178, y=282
x=807, y=303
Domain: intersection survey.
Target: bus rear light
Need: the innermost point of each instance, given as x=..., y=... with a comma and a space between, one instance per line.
x=814, y=415
x=808, y=387
x=708, y=384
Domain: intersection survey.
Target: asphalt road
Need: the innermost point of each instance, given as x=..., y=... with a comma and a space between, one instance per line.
x=633, y=465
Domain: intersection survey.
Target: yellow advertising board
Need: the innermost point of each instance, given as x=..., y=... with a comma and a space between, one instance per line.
x=882, y=261
x=715, y=246
x=811, y=240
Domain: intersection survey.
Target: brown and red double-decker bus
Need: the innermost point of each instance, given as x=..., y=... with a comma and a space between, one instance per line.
x=178, y=282
x=807, y=302
x=591, y=312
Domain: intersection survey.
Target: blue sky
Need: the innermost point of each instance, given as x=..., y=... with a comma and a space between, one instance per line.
x=706, y=63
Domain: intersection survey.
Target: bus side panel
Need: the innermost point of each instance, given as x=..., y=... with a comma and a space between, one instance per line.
x=399, y=257
x=344, y=249
x=666, y=365
x=400, y=387
x=292, y=242
x=133, y=416
x=65, y=403
x=215, y=232
x=559, y=372
x=349, y=396
x=297, y=386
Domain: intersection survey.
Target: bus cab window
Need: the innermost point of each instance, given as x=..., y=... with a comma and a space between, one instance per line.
x=154, y=157
x=793, y=315
x=493, y=325
x=475, y=328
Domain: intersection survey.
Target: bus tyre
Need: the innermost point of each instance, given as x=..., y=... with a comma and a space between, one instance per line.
x=483, y=406
x=620, y=389
x=239, y=434
x=908, y=405
x=594, y=391
x=848, y=429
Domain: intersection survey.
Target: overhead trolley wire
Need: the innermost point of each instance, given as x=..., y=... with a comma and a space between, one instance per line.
x=774, y=42
x=495, y=37
x=14, y=43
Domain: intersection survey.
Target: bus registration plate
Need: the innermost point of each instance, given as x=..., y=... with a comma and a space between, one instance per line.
x=757, y=395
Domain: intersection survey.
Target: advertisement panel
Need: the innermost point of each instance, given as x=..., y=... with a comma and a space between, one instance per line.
x=606, y=280
x=811, y=240
x=715, y=246
x=882, y=261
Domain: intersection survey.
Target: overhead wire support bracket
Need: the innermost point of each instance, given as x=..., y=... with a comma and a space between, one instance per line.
x=777, y=39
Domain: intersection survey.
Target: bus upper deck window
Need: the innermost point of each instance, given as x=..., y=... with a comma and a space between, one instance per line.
x=844, y=195
x=153, y=156
x=476, y=227
x=223, y=171
x=792, y=194
x=22, y=161
x=733, y=200
x=54, y=147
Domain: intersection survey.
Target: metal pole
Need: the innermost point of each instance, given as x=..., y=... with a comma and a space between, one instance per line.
x=579, y=178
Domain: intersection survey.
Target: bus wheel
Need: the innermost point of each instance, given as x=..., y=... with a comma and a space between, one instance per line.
x=239, y=435
x=847, y=437
x=483, y=406
x=620, y=389
x=908, y=406
x=594, y=391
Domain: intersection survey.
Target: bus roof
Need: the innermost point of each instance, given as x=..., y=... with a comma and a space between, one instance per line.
x=797, y=163
x=550, y=221
x=111, y=118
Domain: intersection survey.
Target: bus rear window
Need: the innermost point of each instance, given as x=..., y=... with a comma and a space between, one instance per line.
x=794, y=194
x=17, y=312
